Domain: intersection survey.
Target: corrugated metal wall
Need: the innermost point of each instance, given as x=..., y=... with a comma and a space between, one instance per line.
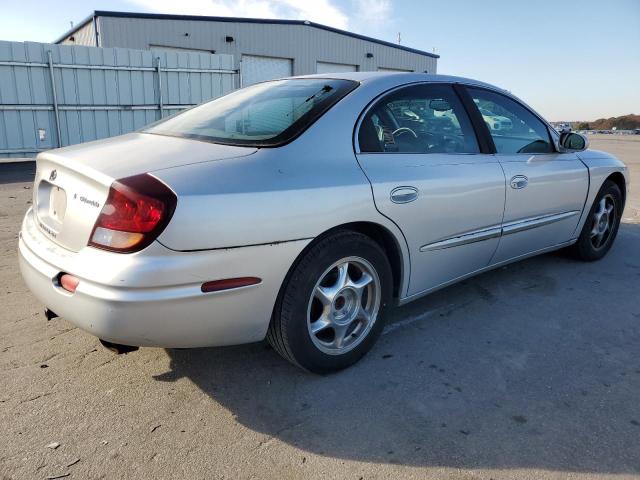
x=87, y=93
x=304, y=44
x=86, y=35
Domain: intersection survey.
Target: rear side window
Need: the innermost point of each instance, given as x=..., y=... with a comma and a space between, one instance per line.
x=514, y=129
x=262, y=115
x=418, y=119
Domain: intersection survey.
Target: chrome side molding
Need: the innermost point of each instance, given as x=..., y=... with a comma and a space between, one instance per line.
x=465, y=238
x=498, y=230
x=534, y=222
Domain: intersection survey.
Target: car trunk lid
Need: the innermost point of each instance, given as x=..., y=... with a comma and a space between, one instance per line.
x=72, y=183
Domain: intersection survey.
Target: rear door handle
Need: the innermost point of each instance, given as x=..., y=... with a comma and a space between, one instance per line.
x=404, y=194
x=519, y=181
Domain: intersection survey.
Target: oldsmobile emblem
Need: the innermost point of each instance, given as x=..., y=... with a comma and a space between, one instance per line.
x=53, y=175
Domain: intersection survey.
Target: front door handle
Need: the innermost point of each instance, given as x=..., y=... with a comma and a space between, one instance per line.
x=519, y=181
x=404, y=194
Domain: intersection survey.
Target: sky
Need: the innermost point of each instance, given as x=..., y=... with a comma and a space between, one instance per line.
x=568, y=60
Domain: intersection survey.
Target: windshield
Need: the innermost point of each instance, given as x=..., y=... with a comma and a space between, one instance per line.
x=265, y=114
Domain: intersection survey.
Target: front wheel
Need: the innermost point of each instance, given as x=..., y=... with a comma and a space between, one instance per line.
x=331, y=309
x=601, y=226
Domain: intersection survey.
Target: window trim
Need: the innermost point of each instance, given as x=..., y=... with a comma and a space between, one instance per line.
x=485, y=140
x=485, y=130
x=283, y=138
x=377, y=98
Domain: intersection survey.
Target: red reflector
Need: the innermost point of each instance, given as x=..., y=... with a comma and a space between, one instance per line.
x=228, y=283
x=69, y=282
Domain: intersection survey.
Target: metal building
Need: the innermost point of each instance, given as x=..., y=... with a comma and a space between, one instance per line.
x=262, y=48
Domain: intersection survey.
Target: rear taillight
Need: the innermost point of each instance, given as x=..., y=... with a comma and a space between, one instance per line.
x=137, y=209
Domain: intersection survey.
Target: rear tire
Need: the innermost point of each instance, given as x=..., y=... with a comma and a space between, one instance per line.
x=601, y=227
x=332, y=305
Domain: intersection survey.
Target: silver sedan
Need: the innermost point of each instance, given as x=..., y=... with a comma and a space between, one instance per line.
x=301, y=209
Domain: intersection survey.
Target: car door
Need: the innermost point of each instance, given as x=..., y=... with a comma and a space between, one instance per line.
x=419, y=150
x=546, y=190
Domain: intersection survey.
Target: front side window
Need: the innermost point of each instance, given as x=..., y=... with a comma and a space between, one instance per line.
x=514, y=129
x=265, y=114
x=418, y=119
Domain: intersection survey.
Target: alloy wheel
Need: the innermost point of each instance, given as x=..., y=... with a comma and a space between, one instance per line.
x=603, y=222
x=344, y=305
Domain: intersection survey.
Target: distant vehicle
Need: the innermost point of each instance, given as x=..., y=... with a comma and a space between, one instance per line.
x=496, y=122
x=302, y=209
x=562, y=127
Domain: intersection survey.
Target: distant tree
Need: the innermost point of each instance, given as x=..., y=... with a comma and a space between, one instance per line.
x=583, y=126
x=625, y=122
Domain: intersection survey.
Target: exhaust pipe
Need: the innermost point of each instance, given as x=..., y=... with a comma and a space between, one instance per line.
x=117, y=347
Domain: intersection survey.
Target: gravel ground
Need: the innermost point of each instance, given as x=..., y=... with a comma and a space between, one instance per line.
x=528, y=372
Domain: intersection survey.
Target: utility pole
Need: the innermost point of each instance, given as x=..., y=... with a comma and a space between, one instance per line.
x=399, y=39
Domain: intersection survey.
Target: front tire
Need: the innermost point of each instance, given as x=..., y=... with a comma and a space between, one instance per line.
x=332, y=305
x=601, y=227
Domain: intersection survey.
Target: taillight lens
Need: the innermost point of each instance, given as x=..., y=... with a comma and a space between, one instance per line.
x=137, y=209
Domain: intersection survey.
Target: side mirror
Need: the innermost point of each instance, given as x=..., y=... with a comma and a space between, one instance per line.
x=573, y=142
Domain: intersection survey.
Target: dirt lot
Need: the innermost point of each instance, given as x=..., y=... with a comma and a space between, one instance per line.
x=626, y=148
x=531, y=371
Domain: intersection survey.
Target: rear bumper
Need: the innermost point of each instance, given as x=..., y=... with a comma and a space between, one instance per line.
x=153, y=298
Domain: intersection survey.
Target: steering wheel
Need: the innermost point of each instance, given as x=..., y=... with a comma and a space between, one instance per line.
x=402, y=130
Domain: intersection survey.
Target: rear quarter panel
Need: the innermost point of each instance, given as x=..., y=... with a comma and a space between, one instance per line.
x=297, y=191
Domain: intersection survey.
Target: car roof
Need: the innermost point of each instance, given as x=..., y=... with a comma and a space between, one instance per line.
x=401, y=78
x=387, y=80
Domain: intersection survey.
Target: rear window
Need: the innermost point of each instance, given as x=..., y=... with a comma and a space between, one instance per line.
x=262, y=115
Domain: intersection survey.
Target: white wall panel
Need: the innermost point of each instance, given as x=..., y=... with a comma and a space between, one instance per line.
x=304, y=44
x=328, y=67
x=256, y=69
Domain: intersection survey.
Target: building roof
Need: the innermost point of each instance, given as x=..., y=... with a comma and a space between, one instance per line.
x=158, y=16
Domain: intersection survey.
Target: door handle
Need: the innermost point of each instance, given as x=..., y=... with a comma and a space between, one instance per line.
x=519, y=181
x=404, y=194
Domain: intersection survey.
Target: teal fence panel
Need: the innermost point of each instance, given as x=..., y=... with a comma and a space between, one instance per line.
x=57, y=95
